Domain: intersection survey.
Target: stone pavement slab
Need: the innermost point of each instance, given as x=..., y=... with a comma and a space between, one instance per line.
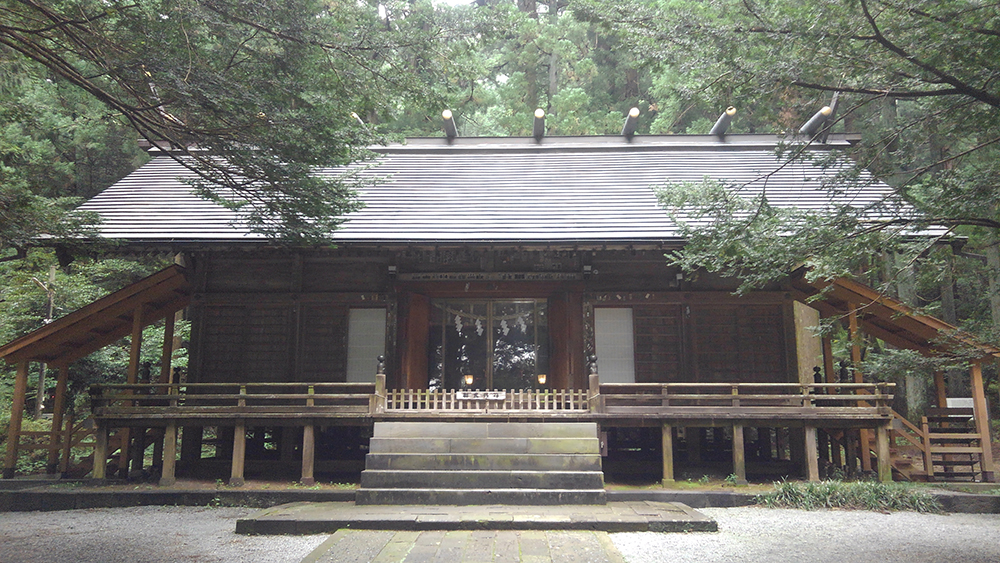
x=328, y=517
x=466, y=546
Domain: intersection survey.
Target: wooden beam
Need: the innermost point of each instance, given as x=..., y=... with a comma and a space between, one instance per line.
x=882, y=451
x=58, y=407
x=100, y=451
x=811, y=454
x=239, y=454
x=168, y=468
x=308, y=455
x=16, y=414
x=982, y=420
x=166, y=281
x=667, y=439
x=739, y=455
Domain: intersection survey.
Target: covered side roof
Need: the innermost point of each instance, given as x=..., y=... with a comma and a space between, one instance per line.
x=517, y=190
x=886, y=318
x=104, y=321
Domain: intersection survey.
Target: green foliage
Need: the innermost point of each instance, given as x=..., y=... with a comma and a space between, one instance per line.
x=859, y=495
x=250, y=94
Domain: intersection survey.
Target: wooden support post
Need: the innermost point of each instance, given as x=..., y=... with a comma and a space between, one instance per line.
x=100, y=451
x=882, y=451
x=167, y=473
x=667, y=440
x=286, y=447
x=739, y=455
x=830, y=374
x=16, y=414
x=824, y=445
x=693, y=438
x=308, y=454
x=158, y=445
x=851, y=450
x=239, y=454
x=133, y=359
x=941, y=388
x=191, y=443
x=378, y=401
x=811, y=454
x=166, y=372
x=138, y=450
x=58, y=407
x=836, y=453
x=864, y=440
x=982, y=420
x=124, y=436
x=67, y=444
x=594, y=399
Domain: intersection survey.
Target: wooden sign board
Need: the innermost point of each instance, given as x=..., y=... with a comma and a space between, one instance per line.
x=480, y=395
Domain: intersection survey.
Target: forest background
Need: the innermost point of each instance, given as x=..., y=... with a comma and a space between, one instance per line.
x=309, y=83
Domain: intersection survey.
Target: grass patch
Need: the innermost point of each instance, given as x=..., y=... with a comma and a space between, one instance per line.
x=857, y=495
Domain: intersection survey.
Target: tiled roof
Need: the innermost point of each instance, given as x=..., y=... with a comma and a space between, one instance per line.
x=564, y=189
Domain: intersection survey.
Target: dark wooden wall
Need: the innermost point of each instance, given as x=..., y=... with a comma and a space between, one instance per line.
x=282, y=315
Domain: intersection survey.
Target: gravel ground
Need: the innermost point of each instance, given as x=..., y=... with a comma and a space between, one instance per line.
x=762, y=534
x=148, y=534
x=179, y=534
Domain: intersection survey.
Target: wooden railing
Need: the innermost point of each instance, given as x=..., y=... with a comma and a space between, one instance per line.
x=403, y=400
x=682, y=400
x=250, y=399
x=756, y=400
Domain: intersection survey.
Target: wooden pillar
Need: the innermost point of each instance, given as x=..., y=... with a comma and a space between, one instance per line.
x=864, y=444
x=851, y=451
x=100, y=451
x=166, y=373
x=67, y=443
x=158, y=445
x=137, y=450
x=58, y=408
x=239, y=454
x=941, y=389
x=191, y=443
x=811, y=454
x=836, y=455
x=667, y=440
x=693, y=438
x=739, y=455
x=982, y=420
x=824, y=445
x=829, y=372
x=308, y=454
x=168, y=470
x=16, y=413
x=882, y=451
x=133, y=359
x=286, y=447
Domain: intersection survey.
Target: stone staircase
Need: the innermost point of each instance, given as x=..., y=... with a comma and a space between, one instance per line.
x=465, y=463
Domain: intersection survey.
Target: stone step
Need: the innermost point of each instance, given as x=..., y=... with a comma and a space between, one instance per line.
x=480, y=496
x=485, y=445
x=495, y=462
x=450, y=479
x=430, y=430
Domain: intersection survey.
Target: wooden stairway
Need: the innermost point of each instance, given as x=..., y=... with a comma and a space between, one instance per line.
x=466, y=463
x=946, y=446
x=953, y=448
